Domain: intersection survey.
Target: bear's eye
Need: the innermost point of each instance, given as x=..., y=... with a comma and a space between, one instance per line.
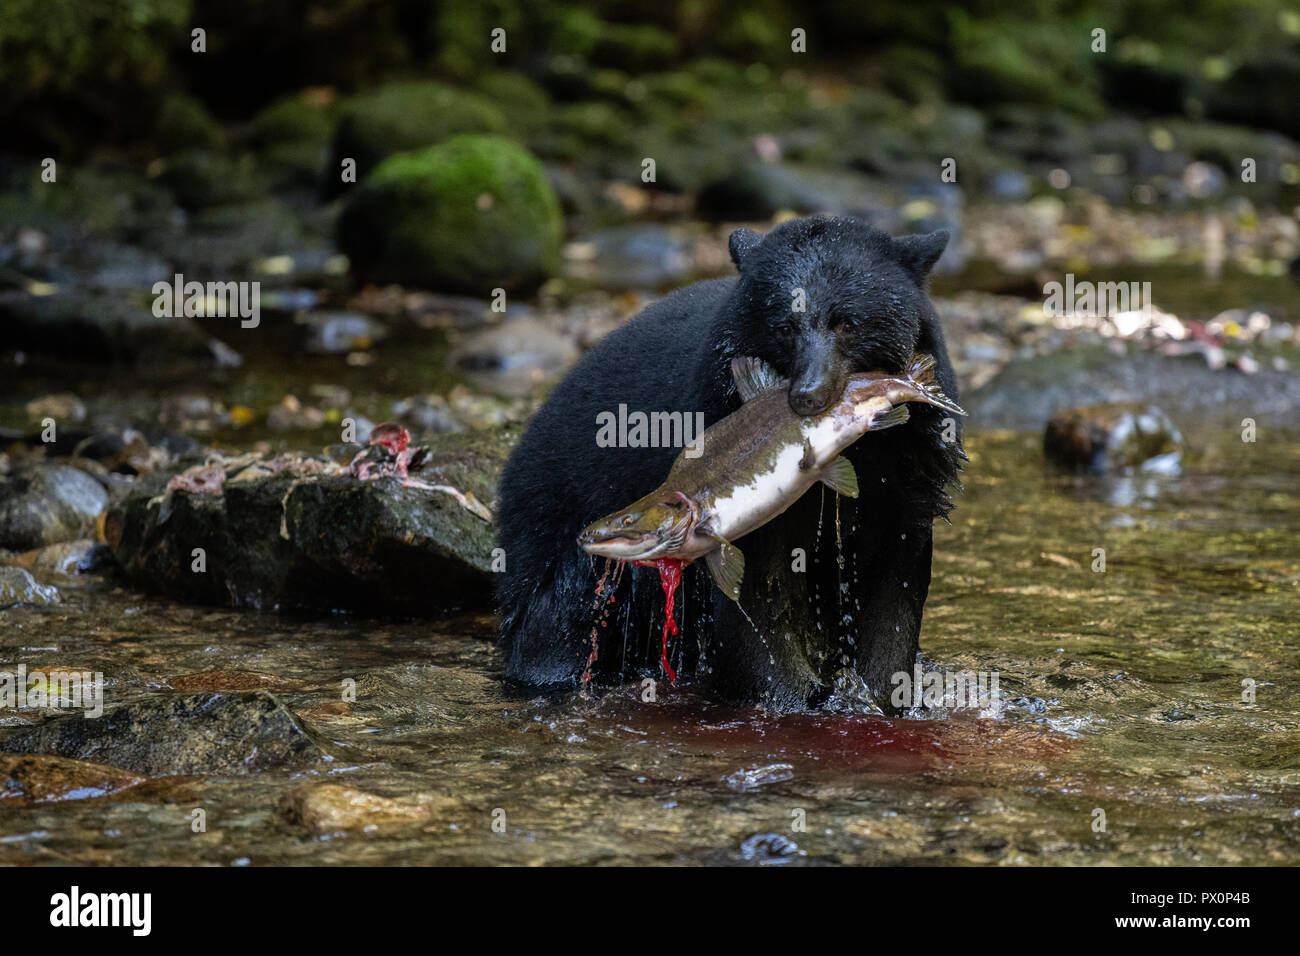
x=843, y=320
x=785, y=332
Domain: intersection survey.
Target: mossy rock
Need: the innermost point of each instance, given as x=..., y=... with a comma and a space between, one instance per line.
x=526, y=105
x=198, y=178
x=635, y=46
x=471, y=214
x=291, y=120
x=185, y=123
x=406, y=116
x=292, y=138
x=587, y=132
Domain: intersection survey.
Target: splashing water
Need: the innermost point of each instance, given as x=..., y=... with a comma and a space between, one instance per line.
x=600, y=606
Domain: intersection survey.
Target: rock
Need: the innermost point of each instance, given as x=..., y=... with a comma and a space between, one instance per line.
x=525, y=103
x=31, y=779
x=96, y=327
x=468, y=215
x=292, y=137
x=45, y=504
x=769, y=848
x=751, y=779
x=231, y=680
x=405, y=116
x=185, y=123
x=65, y=559
x=515, y=357
x=1028, y=391
x=330, y=808
x=62, y=407
x=290, y=414
x=1009, y=186
x=645, y=255
x=305, y=535
x=334, y=333
x=758, y=191
x=198, y=178
x=1111, y=437
x=227, y=733
x=17, y=586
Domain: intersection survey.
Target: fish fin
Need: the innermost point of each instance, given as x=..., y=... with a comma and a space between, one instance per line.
x=840, y=477
x=895, y=416
x=754, y=376
x=921, y=374
x=727, y=566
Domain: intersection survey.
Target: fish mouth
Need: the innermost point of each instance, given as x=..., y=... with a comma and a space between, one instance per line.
x=623, y=547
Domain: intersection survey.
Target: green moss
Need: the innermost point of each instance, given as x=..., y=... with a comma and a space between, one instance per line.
x=527, y=107
x=1003, y=59
x=185, y=123
x=292, y=137
x=584, y=131
x=470, y=214
x=574, y=30
x=635, y=46
x=291, y=120
x=406, y=116
x=198, y=179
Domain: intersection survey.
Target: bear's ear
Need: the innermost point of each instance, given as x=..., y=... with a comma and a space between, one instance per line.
x=741, y=243
x=918, y=254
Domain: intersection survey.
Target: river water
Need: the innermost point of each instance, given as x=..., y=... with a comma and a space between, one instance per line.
x=1122, y=737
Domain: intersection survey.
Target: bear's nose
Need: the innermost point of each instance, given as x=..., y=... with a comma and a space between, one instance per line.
x=809, y=401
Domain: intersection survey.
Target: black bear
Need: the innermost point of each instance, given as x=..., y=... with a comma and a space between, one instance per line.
x=834, y=588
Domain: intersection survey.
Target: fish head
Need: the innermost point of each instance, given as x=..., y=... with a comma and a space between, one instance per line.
x=655, y=527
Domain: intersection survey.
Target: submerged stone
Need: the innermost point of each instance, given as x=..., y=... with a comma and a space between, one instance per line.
x=1112, y=437
x=234, y=733
x=31, y=779
x=330, y=808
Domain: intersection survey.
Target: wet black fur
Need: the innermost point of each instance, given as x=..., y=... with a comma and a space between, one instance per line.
x=866, y=308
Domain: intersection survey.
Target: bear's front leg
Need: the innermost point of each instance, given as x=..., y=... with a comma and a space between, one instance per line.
x=891, y=558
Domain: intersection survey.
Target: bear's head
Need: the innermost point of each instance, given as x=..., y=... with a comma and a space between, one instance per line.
x=822, y=298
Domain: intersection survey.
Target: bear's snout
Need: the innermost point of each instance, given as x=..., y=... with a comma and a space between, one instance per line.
x=810, y=398
x=815, y=373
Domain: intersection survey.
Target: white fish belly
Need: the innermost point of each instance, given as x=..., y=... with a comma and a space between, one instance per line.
x=770, y=492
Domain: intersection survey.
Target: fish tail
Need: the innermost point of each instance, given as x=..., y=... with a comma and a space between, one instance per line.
x=921, y=371
x=921, y=375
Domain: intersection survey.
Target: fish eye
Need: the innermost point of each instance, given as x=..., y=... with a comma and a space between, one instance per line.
x=628, y=521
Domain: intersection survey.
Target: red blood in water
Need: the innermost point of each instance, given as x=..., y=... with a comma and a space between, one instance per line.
x=670, y=576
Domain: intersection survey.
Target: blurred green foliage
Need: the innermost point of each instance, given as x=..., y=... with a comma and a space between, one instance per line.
x=75, y=73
